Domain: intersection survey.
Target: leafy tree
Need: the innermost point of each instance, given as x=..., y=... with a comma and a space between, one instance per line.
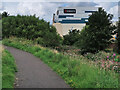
x=118, y=36
x=0, y=16
x=97, y=36
x=31, y=27
x=5, y=14
x=72, y=37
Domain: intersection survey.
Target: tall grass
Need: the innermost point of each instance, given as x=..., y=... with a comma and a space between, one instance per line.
x=76, y=72
x=0, y=64
x=8, y=70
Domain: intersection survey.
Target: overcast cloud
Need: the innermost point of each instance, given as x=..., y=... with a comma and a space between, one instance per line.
x=45, y=10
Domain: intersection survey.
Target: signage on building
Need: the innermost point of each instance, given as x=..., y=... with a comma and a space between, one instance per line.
x=69, y=10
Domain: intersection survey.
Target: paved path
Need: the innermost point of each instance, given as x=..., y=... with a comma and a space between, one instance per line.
x=33, y=73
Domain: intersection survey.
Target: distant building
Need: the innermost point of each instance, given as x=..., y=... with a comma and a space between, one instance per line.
x=69, y=18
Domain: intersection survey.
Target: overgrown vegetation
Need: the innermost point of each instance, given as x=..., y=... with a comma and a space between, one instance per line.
x=91, y=70
x=30, y=27
x=71, y=38
x=4, y=14
x=118, y=37
x=8, y=70
x=99, y=32
x=0, y=29
x=96, y=35
x=78, y=73
x=0, y=64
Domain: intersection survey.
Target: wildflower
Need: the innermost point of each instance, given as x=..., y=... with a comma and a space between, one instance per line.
x=107, y=56
x=102, y=65
x=114, y=54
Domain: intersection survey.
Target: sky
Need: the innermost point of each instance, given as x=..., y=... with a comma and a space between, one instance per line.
x=45, y=9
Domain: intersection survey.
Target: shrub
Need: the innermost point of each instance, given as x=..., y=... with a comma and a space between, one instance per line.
x=72, y=37
x=85, y=41
x=0, y=29
x=30, y=27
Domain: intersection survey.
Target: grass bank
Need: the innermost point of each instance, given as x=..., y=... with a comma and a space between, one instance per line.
x=8, y=70
x=78, y=73
x=0, y=64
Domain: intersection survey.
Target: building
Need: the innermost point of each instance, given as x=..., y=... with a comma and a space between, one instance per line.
x=69, y=18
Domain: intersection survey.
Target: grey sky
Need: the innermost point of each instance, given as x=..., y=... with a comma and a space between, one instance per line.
x=45, y=10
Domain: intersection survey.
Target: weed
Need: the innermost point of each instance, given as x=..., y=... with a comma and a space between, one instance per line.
x=78, y=73
x=8, y=70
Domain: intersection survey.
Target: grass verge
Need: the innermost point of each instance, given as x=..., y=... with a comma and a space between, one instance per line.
x=0, y=65
x=76, y=72
x=8, y=70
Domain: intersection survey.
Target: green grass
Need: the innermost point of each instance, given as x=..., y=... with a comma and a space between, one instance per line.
x=0, y=64
x=0, y=28
x=8, y=70
x=78, y=73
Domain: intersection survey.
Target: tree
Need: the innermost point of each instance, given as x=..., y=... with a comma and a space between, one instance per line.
x=118, y=37
x=5, y=14
x=72, y=37
x=30, y=27
x=97, y=36
x=0, y=16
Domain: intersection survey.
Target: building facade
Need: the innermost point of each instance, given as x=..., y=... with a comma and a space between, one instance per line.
x=69, y=18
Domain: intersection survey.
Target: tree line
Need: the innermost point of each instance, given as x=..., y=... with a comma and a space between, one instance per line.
x=30, y=27
x=95, y=36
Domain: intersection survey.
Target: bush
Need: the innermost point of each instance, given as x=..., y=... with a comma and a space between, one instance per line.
x=85, y=41
x=72, y=37
x=30, y=27
x=0, y=29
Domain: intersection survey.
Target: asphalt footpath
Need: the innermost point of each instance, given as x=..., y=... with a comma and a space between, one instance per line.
x=33, y=73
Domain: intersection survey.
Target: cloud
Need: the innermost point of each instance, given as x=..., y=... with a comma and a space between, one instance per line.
x=41, y=9
x=30, y=8
x=106, y=5
x=0, y=5
x=114, y=11
x=119, y=9
x=80, y=4
x=46, y=9
x=110, y=7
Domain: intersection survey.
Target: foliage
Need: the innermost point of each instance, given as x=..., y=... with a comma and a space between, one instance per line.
x=0, y=16
x=72, y=37
x=84, y=41
x=5, y=14
x=118, y=37
x=76, y=72
x=107, y=61
x=30, y=27
x=98, y=34
x=0, y=29
x=68, y=49
x=8, y=70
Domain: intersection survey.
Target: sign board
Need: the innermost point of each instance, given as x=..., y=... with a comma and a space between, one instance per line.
x=69, y=10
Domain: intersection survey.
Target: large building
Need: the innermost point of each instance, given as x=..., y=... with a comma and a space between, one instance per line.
x=69, y=18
